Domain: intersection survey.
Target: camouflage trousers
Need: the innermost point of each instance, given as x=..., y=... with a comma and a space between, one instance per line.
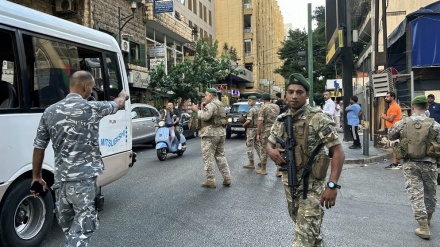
x=75, y=210
x=307, y=214
x=251, y=143
x=264, y=137
x=421, y=183
x=213, y=148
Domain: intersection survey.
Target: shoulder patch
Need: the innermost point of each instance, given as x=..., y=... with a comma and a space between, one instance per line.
x=326, y=131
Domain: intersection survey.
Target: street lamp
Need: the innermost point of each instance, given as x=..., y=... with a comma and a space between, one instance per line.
x=125, y=19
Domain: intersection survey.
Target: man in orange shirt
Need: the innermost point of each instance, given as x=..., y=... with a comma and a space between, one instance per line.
x=393, y=115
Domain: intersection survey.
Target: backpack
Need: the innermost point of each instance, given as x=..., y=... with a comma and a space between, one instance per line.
x=414, y=140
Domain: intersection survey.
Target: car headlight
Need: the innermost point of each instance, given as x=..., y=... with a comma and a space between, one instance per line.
x=229, y=120
x=161, y=123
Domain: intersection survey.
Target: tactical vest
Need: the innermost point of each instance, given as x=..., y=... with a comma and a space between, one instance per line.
x=301, y=133
x=414, y=139
x=218, y=118
x=254, y=120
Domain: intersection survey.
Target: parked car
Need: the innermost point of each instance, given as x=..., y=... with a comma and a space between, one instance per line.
x=143, y=119
x=183, y=123
x=237, y=110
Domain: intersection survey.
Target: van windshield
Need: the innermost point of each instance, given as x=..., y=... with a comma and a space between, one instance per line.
x=241, y=108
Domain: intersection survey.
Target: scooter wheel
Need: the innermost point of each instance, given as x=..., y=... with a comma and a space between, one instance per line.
x=161, y=155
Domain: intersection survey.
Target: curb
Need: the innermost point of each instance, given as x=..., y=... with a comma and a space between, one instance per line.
x=370, y=159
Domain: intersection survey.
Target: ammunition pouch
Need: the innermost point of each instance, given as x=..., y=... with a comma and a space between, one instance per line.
x=434, y=150
x=320, y=166
x=400, y=148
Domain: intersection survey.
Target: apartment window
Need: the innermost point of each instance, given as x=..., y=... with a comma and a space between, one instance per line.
x=190, y=5
x=195, y=6
x=190, y=23
x=206, y=35
x=201, y=10
x=204, y=13
x=247, y=47
x=201, y=33
x=210, y=18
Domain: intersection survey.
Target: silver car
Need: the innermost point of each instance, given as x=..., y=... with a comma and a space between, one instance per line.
x=143, y=121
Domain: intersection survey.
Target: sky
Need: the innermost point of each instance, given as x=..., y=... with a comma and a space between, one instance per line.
x=295, y=11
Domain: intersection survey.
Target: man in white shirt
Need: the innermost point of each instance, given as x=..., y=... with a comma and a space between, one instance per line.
x=338, y=116
x=329, y=107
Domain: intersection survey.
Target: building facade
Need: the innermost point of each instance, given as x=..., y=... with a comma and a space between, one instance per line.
x=255, y=28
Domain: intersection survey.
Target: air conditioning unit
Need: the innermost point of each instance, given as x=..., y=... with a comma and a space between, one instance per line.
x=65, y=6
x=125, y=45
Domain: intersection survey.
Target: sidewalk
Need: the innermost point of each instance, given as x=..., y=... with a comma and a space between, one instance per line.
x=356, y=156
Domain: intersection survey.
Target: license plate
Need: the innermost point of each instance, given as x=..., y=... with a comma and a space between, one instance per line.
x=237, y=128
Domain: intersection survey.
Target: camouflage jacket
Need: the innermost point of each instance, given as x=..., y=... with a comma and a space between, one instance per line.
x=206, y=114
x=321, y=128
x=268, y=113
x=253, y=116
x=434, y=133
x=72, y=125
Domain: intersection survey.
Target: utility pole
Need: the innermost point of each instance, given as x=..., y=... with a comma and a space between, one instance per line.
x=347, y=61
x=310, y=53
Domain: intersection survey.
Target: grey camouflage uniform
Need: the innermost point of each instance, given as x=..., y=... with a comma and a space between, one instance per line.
x=307, y=214
x=213, y=142
x=268, y=114
x=420, y=174
x=72, y=125
x=251, y=133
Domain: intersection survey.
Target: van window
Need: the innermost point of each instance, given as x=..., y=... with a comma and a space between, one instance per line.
x=8, y=77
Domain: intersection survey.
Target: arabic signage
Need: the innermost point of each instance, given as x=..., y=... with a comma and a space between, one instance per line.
x=163, y=7
x=157, y=51
x=154, y=62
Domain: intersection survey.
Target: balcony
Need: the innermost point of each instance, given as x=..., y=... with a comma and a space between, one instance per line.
x=248, y=58
x=168, y=25
x=248, y=33
x=247, y=9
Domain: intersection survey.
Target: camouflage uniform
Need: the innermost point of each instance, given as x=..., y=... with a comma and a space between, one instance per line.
x=72, y=125
x=307, y=213
x=213, y=142
x=420, y=174
x=251, y=134
x=268, y=113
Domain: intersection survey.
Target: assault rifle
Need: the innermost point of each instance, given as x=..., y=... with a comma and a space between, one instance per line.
x=289, y=156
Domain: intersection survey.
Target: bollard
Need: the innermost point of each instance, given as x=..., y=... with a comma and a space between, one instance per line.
x=366, y=141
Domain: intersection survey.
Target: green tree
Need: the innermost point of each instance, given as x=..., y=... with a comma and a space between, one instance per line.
x=297, y=41
x=187, y=79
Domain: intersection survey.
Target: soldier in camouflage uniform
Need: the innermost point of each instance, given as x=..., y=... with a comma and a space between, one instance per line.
x=251, y=132
x=266, y=117
x=72, y=125
x=420, y=173
x=213, y=134
x=307, y=213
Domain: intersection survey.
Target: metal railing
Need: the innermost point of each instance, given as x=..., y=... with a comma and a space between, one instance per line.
x=248, y=30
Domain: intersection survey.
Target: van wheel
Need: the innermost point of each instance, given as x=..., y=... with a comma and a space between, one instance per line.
x=162, y=154
x=25, y=220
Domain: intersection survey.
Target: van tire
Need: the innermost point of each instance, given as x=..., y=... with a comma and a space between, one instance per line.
x=18, y=205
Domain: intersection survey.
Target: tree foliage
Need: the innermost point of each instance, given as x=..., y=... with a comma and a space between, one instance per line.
x=187, y=79
x=298, y=41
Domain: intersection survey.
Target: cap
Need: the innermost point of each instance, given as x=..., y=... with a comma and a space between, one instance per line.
x=421, y=99
x=252, y=97
x=431, y=96
x=211, y=90
x=265, y=96
x=298, y=79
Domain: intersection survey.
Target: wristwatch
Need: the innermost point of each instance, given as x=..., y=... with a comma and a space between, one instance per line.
x=333, y=185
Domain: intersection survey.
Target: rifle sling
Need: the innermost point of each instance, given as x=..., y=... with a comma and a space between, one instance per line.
x=308, y=168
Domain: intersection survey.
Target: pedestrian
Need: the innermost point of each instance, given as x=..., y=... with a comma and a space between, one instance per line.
x=266, y=117
x=280, y=101
x=72, y=125
x=341, y=105
x=338, y=116
x=353, y=113
x=419, y=161
x=171, y=117
x=251, y=132
x=393, y=115
x=319, y=134
x=434, y=108
x=213, y=134
x=329, y=106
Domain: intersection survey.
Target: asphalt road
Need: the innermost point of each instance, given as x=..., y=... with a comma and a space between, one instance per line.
x=162, y=204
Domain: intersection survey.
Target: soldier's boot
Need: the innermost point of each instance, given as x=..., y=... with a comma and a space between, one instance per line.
x=227, y=181
x=262, y=170
x=250, y=165
x=429, y=219
x=209, y=184
x=423, y=230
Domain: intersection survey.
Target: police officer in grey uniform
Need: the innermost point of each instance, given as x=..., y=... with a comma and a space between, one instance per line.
x=72, y=125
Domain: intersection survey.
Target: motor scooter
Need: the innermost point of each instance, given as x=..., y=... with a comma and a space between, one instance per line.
x=163, y=142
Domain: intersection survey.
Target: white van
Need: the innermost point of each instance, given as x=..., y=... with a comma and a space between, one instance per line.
x=38, y=53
